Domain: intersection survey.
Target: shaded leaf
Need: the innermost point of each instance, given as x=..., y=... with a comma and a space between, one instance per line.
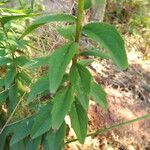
x=95, y=53
x=33, y=144
x=81, y=80
x=3, y=96
x=38, y=87
x=79, y=121
x=21, y=61
x=55, y=138
x=10, y=76
x=13, y=98
x=99, y=95
x=4, y=61
x=42, y=121
x=62, y=104
x=22, y=131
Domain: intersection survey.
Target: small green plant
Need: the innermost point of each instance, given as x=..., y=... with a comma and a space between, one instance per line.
x=69, y=91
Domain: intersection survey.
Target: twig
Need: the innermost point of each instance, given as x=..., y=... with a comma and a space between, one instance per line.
x=7, y=89
x=11, y=115
x=101, y=131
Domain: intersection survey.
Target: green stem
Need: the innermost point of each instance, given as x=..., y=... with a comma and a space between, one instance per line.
x=79, y=25
x=79, y=20
x=101, y=131
x=21, y=3
x=32, y=4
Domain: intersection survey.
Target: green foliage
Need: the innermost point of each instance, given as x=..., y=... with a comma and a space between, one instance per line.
x=99, y=95
x=79, y=120
x=59, y=60
x=104, y=33
x=66, y=86
x=80, y=79
x=47, y=19
x=62, y=104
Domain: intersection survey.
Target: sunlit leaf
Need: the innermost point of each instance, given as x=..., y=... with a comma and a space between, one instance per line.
x=109, y=37
x=58, y=63
x=5, y=19
x=67, y=32
x=48, y=19
x=37, y=62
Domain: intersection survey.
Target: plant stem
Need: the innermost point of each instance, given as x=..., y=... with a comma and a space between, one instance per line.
x=101, y=131
x=79, y=20
x=79, y=25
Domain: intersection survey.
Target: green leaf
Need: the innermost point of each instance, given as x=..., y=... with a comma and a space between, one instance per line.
x=90, y=3
x=62, y=104
x=4, y=61
x=87, y=4
x=42, y=121
x=55, y=138
x=21, y=61
x=81, y=80
x=48, y=19
x=3, y=96
x=21, y=131
x=37, y=62
x=38, y=87
x=5, y=19
x=95, y=53
x=2, y=82
x=18, y=146
x=108, y=36
x=99, y=95
x=13, y=98
x=33, y=144
x=10, y=76
x=79, y=121
x=59, y=61
x=67, y=32
x=24, y=77
x=85, y=62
